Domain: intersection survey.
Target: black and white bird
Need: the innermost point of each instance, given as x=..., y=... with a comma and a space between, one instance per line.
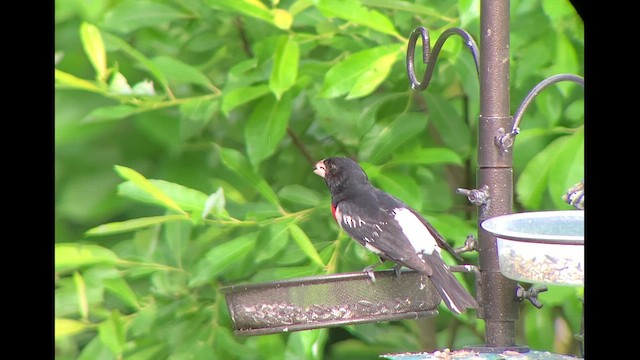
x=390, y=228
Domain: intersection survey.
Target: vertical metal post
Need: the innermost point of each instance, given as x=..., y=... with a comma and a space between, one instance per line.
x=500, y=307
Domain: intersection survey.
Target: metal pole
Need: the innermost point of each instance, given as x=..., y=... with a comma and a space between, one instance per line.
x=500, y=306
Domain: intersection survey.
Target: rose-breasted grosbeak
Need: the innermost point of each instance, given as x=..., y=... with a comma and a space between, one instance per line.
x=390, y=228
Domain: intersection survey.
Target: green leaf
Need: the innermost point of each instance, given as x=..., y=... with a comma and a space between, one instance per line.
x=567, y=167
x=112, y=333
x=550, y=104
x=533, y=180
x=120, y=44
x=96, y=350
x=177, y=236
x=559, y=295
x=307, y=344
x=370, y=169
x=238, y=163
x=402, y=186
x=360, y=347
x=453, y=228
x=242, y=95
x=131, y=15
x=149, y=188
x=196, y=114
x=272, y=240
x=149, y=352
x=557, y=11
x=221, y=258
x=353, y=11
x=180, y=72
x=539, y=327
x=534, y=55
x=282, y=19
x=246, y=72
x=300, y=6
x=230, y=345
x=198, y=109
x=409, y=7
x=70, y=256
x=161, y=128
x=350, y=74
x=285, y=65
x=92, y=11
x=426, y=156
x=565, y=62
x=186, y=198
x=469, y=14
x=94, y=48
x=267, y=125
x=271, y=344
x=253, y=8
x=67, y=80
x=68, y=327
x=575, y=111
x=299, y=194
x=113, y=112
x=305, y=244
x=120, y=288
x=451, y=125
x=343, y=121
x=380, y=143
x=369, y=80
x=81, y=287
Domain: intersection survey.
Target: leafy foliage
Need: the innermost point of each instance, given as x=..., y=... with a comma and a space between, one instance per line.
x=185, y=132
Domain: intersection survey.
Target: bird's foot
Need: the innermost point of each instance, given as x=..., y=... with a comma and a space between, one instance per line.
x=369, y=271
x=397, y=270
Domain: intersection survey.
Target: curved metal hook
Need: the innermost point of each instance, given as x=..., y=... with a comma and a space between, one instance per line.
x=505, y=140
x=426, y=53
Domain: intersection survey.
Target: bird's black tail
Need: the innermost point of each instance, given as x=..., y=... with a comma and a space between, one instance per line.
x=454, y=295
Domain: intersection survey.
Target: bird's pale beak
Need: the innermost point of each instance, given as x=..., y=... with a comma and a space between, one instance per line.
x=319, y=168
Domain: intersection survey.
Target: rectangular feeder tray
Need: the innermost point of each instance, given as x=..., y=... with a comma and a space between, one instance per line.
x=329, y=301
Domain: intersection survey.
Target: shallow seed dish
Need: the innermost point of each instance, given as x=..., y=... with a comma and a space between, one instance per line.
x=329, y=301
x=544, y=247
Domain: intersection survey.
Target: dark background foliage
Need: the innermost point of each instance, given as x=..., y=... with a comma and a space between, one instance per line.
x=185, y=132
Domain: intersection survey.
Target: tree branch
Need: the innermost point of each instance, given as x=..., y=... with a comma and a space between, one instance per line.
x=300, y=145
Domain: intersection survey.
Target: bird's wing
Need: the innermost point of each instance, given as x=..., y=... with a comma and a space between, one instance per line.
x=388, y=202
x=377, y=230
x=439, y=239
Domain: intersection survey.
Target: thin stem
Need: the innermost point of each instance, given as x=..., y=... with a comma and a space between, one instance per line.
x=300, y=145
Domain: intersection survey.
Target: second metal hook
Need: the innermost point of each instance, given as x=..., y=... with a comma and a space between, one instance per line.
x=505, y=139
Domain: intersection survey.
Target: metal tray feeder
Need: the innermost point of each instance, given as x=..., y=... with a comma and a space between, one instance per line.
x=329, y=301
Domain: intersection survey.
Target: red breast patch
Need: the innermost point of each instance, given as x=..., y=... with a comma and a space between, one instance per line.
x=333, y=212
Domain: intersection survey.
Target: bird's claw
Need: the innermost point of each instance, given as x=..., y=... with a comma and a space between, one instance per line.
x=575, y=196
x=397, y=270
x=369, y=272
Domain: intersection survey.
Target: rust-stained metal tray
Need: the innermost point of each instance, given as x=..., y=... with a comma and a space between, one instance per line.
x=329, y=301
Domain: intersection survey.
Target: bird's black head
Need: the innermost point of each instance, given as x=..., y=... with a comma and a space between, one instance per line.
x=340, y=172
